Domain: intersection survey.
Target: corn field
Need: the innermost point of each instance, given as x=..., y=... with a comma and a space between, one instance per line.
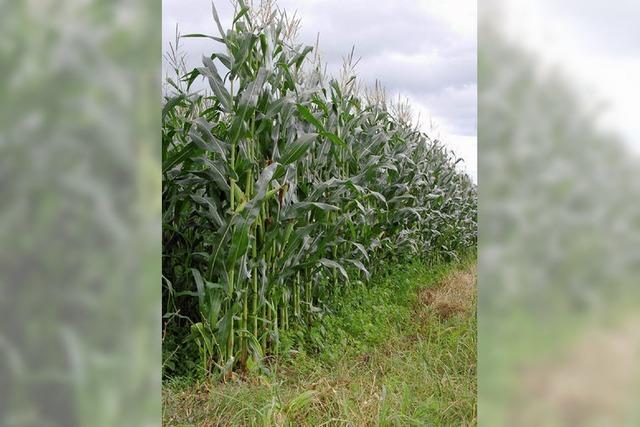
x=283, y=187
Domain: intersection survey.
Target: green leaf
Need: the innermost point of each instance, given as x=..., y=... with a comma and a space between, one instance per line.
x=306, y=115
x=276, y=106
x=216, y=84
x=225, y=59
x=179, y=157
x=249, y=97
x=333, y=264
x=212, y=212
x=319, y=205
x=207, y=141
x=240, y=14
x=172, y=103
x=334, y=138
x=359, y=266
x=265, y=179
x=300, y=57
x=217, y=19
x=240, y=55
x=293, y=151
x=200, y=287
x=198, y=35
x=378, y=196
x=217, y=172
x=362, y=250
x=239, y=242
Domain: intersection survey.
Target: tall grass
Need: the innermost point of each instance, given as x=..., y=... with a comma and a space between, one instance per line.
x=282, y=186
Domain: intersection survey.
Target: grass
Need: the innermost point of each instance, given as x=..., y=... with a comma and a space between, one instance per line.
x=402, y=352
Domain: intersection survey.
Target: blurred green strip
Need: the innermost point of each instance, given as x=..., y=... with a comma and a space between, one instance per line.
x=80, y=213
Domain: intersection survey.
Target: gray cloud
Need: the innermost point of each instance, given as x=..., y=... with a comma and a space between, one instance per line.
x=374, y=28
x=609, y=28
x=418, y=73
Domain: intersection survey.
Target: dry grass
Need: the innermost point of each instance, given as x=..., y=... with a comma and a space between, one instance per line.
x=455, y=295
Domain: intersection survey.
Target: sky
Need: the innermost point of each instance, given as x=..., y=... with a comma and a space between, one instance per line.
x=422, y=50
x=596, y=47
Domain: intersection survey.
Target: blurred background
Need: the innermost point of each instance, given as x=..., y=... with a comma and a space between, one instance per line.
x=559, y=139
x=79, y=213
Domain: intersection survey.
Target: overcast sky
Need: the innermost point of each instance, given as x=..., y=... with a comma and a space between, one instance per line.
x=424, y=50
x=597, y=47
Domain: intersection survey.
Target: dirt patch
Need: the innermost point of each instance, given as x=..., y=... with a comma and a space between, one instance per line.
x=592, y=383
x=454, y=295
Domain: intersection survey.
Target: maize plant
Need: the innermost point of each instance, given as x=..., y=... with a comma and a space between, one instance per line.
x=283, y=187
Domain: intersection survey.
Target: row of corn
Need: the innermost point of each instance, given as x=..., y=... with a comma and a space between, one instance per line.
x=283, y=187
